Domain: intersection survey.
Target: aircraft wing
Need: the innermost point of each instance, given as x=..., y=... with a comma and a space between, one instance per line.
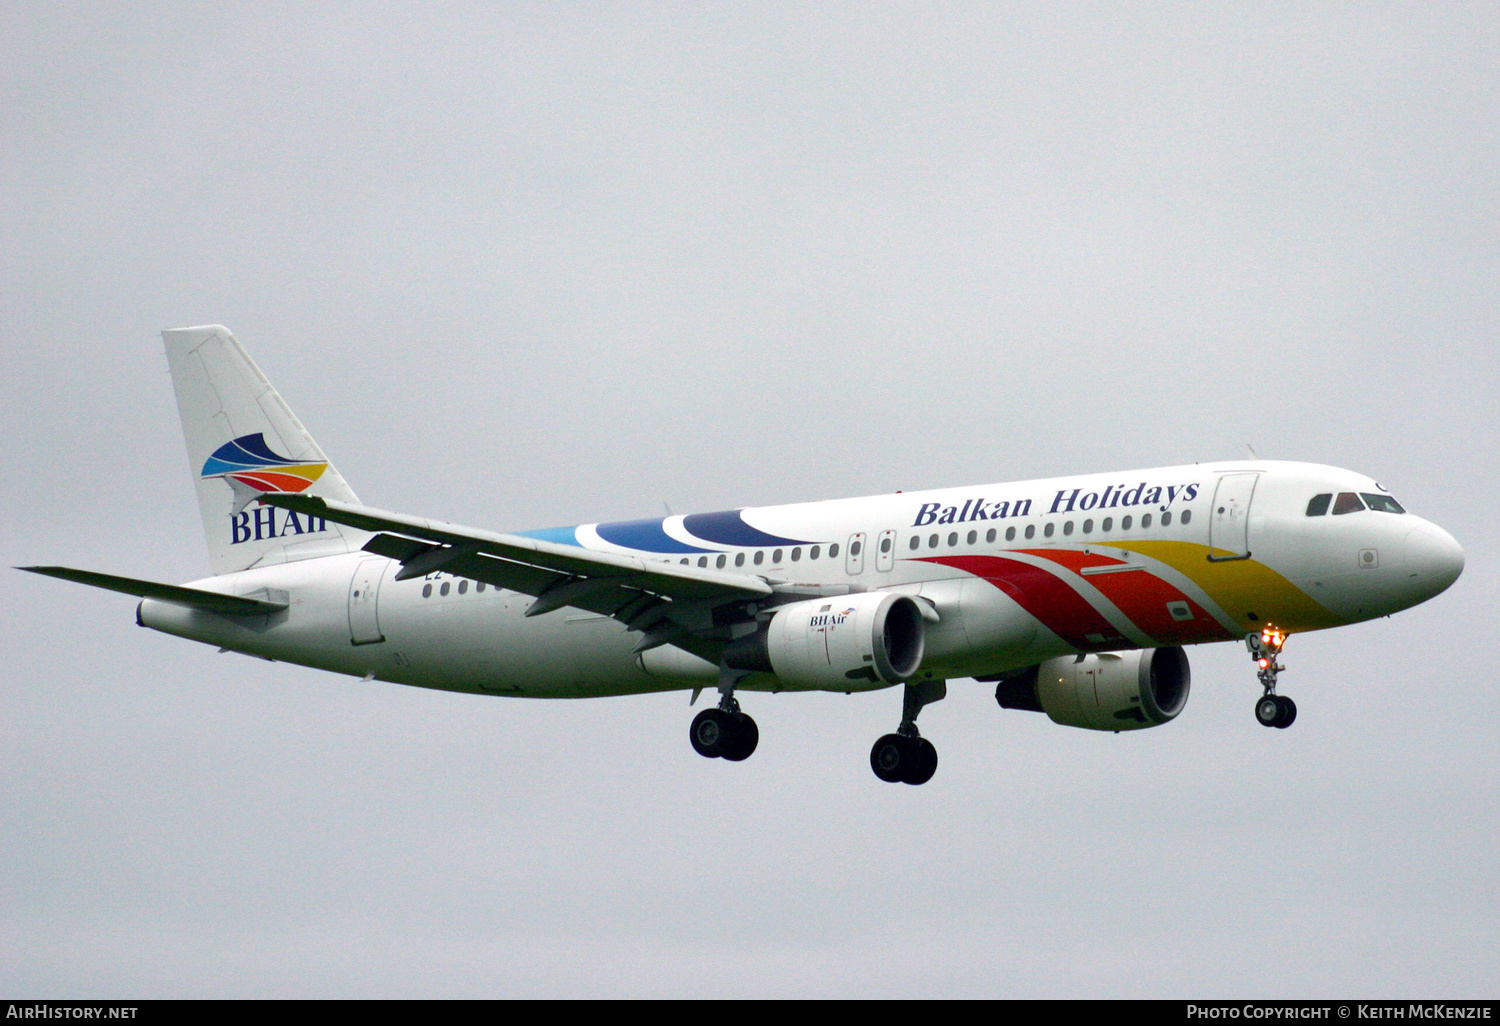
x=668, y=602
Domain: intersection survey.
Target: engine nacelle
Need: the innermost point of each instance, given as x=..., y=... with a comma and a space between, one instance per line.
x=1104, y=691
x=854, y=642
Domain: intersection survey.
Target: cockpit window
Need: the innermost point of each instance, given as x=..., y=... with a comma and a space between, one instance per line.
x=1318, y=504
x=1382, y=503
x=1347, y=502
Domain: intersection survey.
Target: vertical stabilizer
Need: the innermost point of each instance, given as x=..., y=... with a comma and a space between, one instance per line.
x=243, y=440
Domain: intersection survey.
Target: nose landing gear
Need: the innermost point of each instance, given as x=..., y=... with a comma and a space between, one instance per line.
x=1271, y=709
x=906, y=757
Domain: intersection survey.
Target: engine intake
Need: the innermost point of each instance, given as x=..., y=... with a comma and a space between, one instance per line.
x=1104, y=691
x=850, y=643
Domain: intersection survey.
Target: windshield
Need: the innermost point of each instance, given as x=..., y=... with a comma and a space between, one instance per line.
x=1382, y=503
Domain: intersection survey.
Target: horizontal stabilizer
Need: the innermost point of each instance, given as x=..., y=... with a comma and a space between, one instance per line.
x=210, y=601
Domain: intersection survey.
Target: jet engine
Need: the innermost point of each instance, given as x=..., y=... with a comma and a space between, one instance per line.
x=853, y=642
x=1103, y=691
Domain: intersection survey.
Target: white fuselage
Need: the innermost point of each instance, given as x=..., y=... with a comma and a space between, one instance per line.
x=1014, y=573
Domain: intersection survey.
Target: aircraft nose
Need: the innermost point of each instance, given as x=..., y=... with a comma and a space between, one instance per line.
x=1433, y=559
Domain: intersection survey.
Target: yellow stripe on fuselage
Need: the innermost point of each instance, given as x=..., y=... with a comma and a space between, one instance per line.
x=1241, y=587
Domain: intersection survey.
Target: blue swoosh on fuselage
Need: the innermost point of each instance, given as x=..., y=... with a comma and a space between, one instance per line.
x=729, y=528
x=646, y=535
x=556, y=535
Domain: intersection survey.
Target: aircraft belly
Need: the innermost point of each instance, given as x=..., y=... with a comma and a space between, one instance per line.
x=484, y=643
x=978, y=626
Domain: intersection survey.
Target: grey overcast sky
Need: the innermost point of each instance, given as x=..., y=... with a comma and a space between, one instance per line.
x=522, y=265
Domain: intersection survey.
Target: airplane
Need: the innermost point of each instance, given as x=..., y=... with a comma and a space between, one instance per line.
x=1074, y=596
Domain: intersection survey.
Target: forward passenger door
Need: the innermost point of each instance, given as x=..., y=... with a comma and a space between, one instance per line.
x=1229, y=527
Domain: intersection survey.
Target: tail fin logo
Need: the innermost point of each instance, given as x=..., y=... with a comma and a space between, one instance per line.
x=250, y=468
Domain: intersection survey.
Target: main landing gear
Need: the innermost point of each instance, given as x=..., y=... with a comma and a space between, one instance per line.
x=724, y=732
x=906, y=757
x=1271, y=709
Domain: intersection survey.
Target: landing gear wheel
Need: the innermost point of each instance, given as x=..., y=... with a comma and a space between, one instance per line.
x=1268, y=710
x=712, y=733
x=923, y=761
x=742, y=739
x=717, y=734
x=889, y=757
x=1288, y=712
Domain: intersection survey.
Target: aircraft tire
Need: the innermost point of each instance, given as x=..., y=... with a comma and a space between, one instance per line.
x=742, y=739
x=922, y=763
x=1268, y=710
x=1288, y=714
x=889, y=757
x=711, y=733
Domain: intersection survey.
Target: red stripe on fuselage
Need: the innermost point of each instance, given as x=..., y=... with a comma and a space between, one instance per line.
x=1143, y=598
x=1045, y=596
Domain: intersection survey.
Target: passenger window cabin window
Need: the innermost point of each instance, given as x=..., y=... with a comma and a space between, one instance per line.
x=1030, y=531
x=973, y=537
x=719, y=563
x=1146, y=521
x=796, y=555
x=1381, y=503
x=854, y=548
x=444, y=589
x=463, y=587
x=1125, y=524
x=812, y=553
x=885, y=544
x=703, y=561
x=1347, y=502
x=760, y=557
x=932, y=542
x=1068, y=527
x=1088, y=527
x=1318, y=504
x=739, y=559
x=684, y=561
x=1048, y=530
x=952, y=538
x=1109, y=523
x=833, y=551
x=1010, y=534
x=1166, y=519
x=989, y=535
x=915, y=542
x=427, y=591
x=776, y=556
x=1187, y=516
x=479, y=588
